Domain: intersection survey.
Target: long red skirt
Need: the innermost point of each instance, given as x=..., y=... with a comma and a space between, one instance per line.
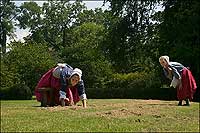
x=48, y=80
x=188, y=86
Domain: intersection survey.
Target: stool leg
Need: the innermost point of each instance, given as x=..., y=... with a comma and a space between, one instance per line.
x=52, y=97
x=44, y=99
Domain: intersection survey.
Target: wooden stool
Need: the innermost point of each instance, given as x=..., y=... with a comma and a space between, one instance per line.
x=44, y=92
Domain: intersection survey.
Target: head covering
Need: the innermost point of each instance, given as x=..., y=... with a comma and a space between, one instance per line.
x=62, y=64
x=78, y=72
x=165, y=57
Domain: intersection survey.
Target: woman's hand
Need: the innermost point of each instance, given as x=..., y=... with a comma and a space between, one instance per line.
x=71, y=103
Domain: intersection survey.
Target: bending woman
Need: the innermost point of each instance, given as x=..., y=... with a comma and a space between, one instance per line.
x=61, y=85
x=181, y=78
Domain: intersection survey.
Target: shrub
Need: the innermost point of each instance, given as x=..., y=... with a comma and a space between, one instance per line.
x=138, y=85
x=8, y=76
x=26, y=63
x=16, y=92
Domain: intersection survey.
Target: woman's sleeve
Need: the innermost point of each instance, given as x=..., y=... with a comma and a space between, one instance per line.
x=176, y=73
x=81, y=90
x=166, y=73
x=63, y=81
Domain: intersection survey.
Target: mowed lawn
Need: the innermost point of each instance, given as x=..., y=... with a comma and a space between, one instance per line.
x=101, y=115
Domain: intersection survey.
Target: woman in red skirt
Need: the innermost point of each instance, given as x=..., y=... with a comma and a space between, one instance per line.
x=61, y=85
x=181, y=78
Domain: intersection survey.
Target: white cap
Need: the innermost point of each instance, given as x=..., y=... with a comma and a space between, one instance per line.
x=78, y=72
x=165, y=58
x=61, y=64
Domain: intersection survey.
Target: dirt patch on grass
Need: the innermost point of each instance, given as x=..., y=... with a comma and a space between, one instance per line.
x=122, y=113
x=117, y=109
x=135, y=108
x=118, y=113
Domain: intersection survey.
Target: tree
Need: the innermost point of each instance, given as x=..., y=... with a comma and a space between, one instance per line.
x=8, y=13
x=50, y=23
x=85, y=53
x=180, y=33
x=25, y=63
x=97, y=16
x=130, y=37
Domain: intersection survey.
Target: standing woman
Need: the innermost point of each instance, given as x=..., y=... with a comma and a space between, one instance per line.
x=61, y=85
x=181, y=78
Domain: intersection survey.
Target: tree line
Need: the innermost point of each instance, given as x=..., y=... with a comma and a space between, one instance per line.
x=117, y=48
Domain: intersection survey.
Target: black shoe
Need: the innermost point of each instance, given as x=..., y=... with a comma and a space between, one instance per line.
x=187, y=102
x=180, y=103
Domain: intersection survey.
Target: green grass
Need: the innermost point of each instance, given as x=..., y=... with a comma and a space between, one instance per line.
x=102, y=115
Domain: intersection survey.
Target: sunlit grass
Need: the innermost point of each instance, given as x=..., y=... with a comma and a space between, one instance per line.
x=102, y=115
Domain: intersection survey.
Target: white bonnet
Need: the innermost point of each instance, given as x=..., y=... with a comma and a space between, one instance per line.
x=165, y=57
x=78, y=72
x=61, y=64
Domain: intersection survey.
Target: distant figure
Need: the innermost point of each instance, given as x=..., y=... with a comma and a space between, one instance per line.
x=181, y=79
x=61, y=85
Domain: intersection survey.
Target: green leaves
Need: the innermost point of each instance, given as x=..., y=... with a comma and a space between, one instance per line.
x=30, y=15
x=85, y=53
x=27, y=63
x=129, y=38
x=8, y=13
x=51, y=22
x=180, y=33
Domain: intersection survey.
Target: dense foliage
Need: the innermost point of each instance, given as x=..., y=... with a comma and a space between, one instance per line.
x=8, y=13
x=85, y=53
x=138, y=85
x=25, y=64
x=180, y=33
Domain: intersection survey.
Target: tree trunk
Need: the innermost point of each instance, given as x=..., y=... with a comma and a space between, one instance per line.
x=3, y=44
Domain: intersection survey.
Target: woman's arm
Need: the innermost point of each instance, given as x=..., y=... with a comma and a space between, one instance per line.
x=84, y=102
x=168, y=72
x=81, y=92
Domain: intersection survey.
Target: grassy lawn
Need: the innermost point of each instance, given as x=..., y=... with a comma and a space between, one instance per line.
x=102, y=115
